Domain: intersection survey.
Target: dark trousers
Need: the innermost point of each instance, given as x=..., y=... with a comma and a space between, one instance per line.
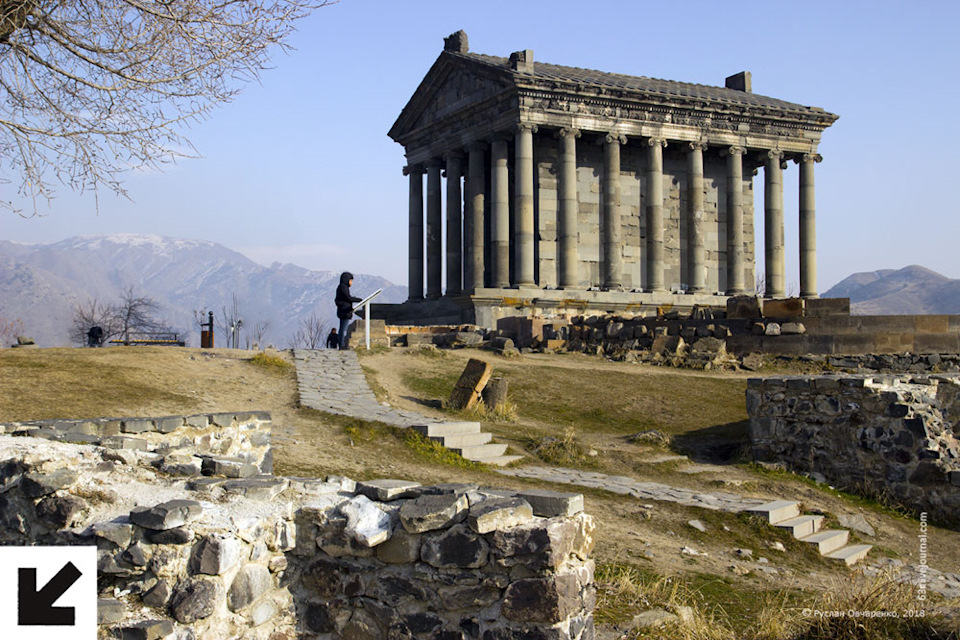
x=344, y=324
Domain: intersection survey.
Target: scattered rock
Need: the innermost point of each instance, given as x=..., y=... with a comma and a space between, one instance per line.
x=699, y=526
x=166, y=515
x=654, y=618
x=856, y=522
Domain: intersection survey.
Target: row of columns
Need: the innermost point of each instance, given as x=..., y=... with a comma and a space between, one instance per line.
x=467, y=270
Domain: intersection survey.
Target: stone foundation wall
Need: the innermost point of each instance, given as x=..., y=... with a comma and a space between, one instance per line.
x=189, y=551
x=894, y=437
x=231, y=444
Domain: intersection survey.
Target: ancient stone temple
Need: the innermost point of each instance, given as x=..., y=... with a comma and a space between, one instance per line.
x=553, y=189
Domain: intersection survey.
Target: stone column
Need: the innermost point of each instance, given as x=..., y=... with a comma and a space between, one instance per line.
x=454, y=226
x=500, y=211
x=473, y=219
x=569, y=210
x=610, y=217
x=415, y=251
x=775, y=261
x=696, y=249
x=808, y=227
x=523, y=209
x=655, y=266
x=434, y=224
x=736, y=266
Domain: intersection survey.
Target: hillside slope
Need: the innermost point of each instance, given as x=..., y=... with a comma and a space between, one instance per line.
x=912, y=290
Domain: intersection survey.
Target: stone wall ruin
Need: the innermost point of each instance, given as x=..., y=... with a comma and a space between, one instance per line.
x=893, y=437
x=196, y=540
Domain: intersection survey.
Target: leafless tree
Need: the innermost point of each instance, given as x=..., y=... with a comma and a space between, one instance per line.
x=132, y=314
x=258, y=333
x=9, y=330
x=93, y=313
x=230, y=322
x=135, y=313
x=760, y=284
x=90, y=89
x=312, y=333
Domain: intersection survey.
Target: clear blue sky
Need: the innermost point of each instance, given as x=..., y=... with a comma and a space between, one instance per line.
x=299, y=168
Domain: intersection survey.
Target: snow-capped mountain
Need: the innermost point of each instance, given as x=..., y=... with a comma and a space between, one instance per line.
x=42, y=284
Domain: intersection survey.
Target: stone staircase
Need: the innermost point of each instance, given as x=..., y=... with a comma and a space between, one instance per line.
x=333, y=381
x=831, y=543
x=468, y=440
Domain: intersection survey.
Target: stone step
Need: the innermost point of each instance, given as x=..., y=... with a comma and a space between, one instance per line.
x=481, y=452
x=777, y=511
x=802, y=526
x=501, y=461
x=464, y=440
x=852, y=554
x=439, y=429
x=828, y=541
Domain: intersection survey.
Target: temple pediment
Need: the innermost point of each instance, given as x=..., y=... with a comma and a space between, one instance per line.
x=450, y=87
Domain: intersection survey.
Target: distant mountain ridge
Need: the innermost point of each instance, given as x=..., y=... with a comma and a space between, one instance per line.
x=41, y=284
x=912, y=290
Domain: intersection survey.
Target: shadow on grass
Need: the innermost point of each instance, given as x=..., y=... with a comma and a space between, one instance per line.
x=720, y=444
x=425, y=402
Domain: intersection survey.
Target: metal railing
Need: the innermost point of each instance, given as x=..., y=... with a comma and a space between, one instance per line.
x=365, y=303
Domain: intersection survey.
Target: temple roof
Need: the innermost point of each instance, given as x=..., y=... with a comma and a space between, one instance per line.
x=666, y=88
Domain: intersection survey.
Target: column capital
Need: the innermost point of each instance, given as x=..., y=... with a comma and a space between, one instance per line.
x=478, y=145
x=734, y=151
x=697, y=145
x=774, y=154
x=456, y=154
x=411, y=169
x=808, y=157
x=563, y=132
x=434, y=163
x=612, y=137
x=656, y=142
x=527, y=126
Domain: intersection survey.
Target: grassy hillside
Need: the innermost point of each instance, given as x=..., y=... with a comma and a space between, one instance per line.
x=569, y=410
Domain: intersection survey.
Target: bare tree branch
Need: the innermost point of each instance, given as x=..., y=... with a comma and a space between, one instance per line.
x=92, y=89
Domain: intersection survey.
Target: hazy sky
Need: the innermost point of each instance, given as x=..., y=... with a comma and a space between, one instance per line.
x=300, y=169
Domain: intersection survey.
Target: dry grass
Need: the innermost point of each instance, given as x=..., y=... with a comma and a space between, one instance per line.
x=862, y=608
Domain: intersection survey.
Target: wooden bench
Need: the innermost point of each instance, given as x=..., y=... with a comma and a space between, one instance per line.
x=147, y=339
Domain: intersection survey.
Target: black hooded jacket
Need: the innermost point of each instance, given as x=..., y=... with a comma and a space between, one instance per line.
x=344, y=300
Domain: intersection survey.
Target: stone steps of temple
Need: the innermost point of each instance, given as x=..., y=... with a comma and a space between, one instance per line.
x=440, y=429
x=777, y=511
x=828, y=541
x=801, y=526
x=464, y=440
x=831, y=543
x=467, y=439
x=481, y=452
x=851, y=554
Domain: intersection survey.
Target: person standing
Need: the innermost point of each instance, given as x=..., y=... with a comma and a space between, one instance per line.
x=345, y=305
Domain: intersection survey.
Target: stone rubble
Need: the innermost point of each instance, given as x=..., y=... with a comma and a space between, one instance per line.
x=271, y=558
